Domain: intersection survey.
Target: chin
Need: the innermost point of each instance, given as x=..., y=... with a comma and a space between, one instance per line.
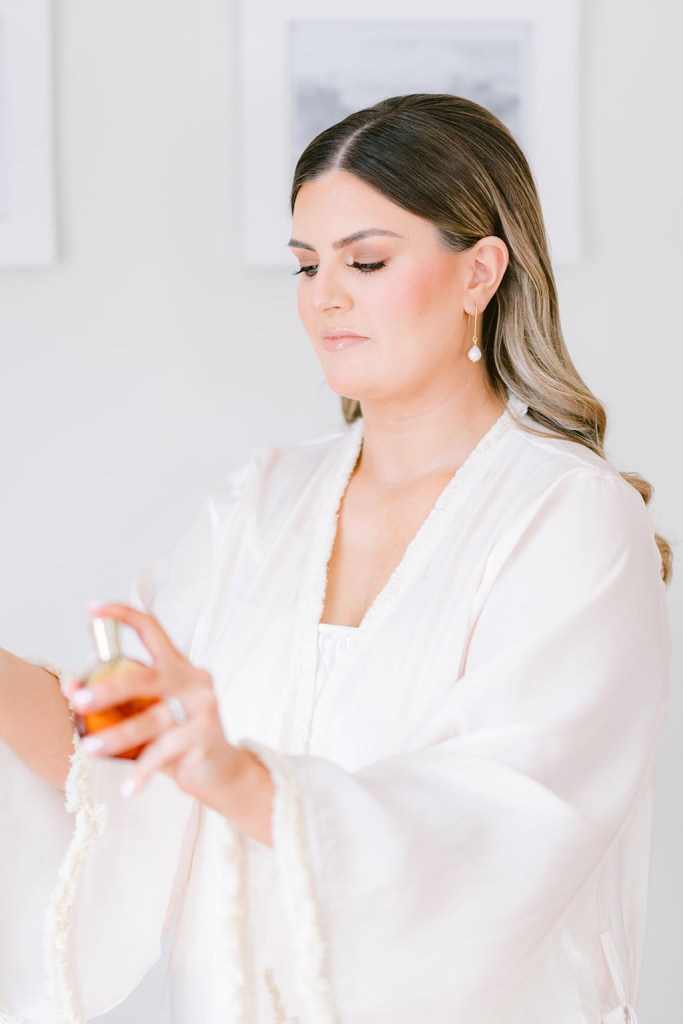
x=342, y=383
x=347, y=389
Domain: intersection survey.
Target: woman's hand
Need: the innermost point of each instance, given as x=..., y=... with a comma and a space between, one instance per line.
x=197, y=754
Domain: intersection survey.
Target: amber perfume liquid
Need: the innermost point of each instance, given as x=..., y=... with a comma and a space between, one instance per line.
x=109, y=660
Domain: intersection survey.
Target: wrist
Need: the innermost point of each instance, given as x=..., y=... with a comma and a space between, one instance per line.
x=249, y=797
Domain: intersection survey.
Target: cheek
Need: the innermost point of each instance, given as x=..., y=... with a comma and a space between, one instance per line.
x=307, y=315
x=425, y=293
x=302, y=306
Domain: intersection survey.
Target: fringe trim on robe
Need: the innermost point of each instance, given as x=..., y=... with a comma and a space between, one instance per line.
x=90, y=823
x=8, y=1016
x=236, y=1006
x=292, y=853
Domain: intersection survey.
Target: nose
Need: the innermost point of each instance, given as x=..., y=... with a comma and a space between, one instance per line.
x=328, y=290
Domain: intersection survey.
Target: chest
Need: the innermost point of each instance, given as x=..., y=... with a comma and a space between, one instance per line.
x=409, y=569
x=374, y=529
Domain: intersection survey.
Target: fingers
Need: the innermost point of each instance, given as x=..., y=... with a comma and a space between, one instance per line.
x=146, y=626
x=137, y=730
x=116, y=688
x=169, y=747
x=143, y=726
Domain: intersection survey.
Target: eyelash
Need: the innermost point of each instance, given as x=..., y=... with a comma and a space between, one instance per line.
x=364, y=268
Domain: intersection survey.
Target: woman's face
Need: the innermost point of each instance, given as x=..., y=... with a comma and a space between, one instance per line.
x=382, y=300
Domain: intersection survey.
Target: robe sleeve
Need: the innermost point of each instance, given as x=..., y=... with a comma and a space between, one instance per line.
x=133, y=879
x=115, y=886
x=426, y=885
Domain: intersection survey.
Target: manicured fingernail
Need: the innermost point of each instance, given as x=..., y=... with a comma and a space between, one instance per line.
x=94, y=606
x=83, y=697
x=92, y=743
x=128, y=787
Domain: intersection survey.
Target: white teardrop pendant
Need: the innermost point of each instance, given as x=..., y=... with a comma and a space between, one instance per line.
x=474, y=354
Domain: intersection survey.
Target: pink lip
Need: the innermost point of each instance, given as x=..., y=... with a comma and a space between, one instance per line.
x=336, y=340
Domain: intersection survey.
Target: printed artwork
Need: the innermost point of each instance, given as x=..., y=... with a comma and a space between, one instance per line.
x=340, y=67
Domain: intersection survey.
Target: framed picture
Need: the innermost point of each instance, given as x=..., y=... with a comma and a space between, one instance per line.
x=27, y=235
x=306, y=65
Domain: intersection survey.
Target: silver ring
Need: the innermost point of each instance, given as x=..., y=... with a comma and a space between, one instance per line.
x=177, y=710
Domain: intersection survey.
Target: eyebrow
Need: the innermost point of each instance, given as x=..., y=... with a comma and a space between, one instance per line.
x=355, y=237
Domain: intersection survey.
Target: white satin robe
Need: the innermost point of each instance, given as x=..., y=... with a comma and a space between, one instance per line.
x=462, y=829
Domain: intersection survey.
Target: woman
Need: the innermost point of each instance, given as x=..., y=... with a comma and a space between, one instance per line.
x=412, y=675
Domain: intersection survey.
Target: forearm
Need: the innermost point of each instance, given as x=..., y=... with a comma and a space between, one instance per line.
x=35, y=721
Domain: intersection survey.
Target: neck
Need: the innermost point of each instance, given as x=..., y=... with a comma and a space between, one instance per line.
x=400, y=447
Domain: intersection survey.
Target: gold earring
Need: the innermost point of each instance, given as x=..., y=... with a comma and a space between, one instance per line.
x=474, y=353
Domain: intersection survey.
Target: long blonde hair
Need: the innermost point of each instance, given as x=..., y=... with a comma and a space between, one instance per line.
x=452, y=162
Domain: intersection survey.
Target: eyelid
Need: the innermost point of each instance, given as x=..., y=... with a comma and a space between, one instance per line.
x=362, y=267
x=373, y=264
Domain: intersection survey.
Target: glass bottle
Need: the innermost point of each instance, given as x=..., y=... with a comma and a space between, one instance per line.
x=105, y=633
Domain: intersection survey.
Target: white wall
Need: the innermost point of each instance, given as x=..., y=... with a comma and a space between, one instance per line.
x=147, y=363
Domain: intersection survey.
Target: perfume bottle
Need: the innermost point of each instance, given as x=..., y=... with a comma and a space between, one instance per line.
x=105, y=633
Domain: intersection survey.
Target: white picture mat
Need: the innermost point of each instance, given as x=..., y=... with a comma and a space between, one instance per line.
x=266, y=114
x=27, y=235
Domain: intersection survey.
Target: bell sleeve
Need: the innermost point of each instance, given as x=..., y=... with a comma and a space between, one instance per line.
x=426, y=885
x=131, y=884
x=113, y=887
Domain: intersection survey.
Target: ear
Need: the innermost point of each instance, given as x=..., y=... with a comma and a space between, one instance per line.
x=488, y=261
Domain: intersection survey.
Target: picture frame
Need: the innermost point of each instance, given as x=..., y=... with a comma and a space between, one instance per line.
x=522, y=54
x=27, y=223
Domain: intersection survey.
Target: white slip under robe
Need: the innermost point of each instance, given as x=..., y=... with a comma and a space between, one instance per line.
x=462, y=820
